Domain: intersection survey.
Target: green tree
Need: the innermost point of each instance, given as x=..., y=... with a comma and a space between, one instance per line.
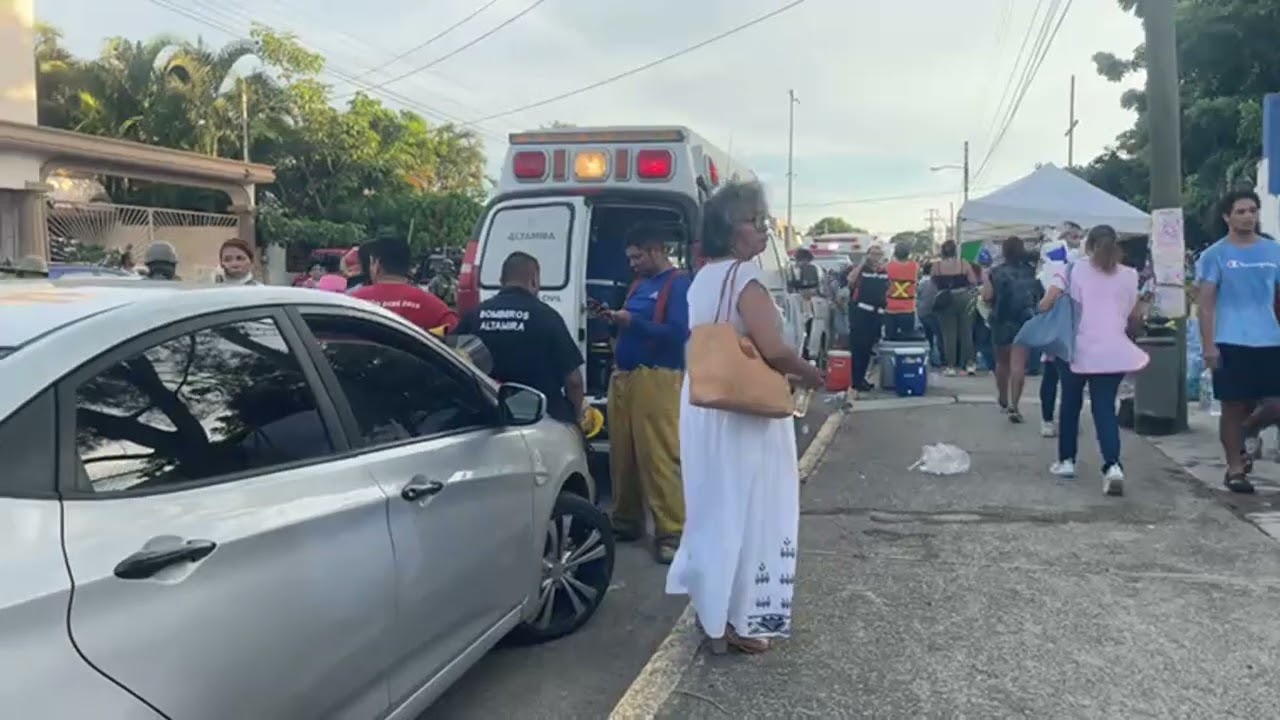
x=920, y=241
x=340, y=171
x=829, y=225
x=1227, y=61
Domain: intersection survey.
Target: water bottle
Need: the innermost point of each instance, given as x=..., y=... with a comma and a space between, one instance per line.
x=801, y=400
x=1208, y=403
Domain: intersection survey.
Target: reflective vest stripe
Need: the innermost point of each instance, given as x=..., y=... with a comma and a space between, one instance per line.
x=903, y=277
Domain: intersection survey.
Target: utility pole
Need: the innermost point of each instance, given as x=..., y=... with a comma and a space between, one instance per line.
x=792, y=101
x=244, y=131
x=1164, y=130
x=932, y=218
x=966, y=171
x=1071, y=125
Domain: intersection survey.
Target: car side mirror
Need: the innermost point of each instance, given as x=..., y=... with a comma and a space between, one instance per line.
x=520, y=405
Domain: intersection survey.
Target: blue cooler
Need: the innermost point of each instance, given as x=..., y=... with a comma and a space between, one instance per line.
x=910, y=372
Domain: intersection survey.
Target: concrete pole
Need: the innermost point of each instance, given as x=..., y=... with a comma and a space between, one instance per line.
x=22, y=227
x=792, y=101
x=1164, y=129
x=1071, y=124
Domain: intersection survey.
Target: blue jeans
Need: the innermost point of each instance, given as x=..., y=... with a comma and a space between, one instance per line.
x=1103, y=390
x=1049, y=390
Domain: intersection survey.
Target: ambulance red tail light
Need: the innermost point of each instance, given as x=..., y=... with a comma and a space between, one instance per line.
x=529, y=165
x=654, y=164
x=469, y=279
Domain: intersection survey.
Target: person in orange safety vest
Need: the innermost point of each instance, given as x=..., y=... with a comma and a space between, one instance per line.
x=900, y=301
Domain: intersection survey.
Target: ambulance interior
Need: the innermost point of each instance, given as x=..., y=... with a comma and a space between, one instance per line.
x=609, y=274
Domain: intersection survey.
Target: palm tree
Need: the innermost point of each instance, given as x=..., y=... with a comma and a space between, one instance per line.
x=210, y=86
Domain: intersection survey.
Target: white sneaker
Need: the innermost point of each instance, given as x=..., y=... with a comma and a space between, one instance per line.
x=1048, y=430
x=1113, y=481
x=1253, y=447
x=1063, y=469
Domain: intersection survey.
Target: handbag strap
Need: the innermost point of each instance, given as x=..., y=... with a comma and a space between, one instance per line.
x=730, y=280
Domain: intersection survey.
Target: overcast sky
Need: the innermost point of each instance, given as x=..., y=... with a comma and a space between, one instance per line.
x=886, y=89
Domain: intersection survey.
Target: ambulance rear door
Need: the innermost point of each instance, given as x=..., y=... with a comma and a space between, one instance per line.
x=552, y=229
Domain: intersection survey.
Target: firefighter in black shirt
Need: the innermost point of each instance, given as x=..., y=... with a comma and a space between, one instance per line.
x=868, y=293
x=528, y=340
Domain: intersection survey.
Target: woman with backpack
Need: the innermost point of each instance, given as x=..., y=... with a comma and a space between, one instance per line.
x=1013, y=289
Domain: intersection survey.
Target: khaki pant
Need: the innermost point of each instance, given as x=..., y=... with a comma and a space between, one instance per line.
x=644, y=450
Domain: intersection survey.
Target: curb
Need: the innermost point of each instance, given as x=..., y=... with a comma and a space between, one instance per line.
x=660, y=676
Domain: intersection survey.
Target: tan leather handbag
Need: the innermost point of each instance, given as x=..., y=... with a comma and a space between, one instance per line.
x=726, y=370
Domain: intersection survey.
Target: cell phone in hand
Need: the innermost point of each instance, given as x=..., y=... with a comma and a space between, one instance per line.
x=597, y=308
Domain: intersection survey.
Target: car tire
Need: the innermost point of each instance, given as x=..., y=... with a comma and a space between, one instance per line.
x=577, y=567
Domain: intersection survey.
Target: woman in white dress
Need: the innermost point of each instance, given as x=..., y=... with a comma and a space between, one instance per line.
x=737, y=558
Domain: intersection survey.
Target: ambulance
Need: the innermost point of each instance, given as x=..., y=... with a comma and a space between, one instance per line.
x=852, y=246
x=568, y=196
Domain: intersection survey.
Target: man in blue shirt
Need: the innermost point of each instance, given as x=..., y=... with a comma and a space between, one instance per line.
x=1240, y=336
x=644, y=393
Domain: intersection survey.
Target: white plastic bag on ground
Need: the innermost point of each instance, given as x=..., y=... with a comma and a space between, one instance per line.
x=942, y=459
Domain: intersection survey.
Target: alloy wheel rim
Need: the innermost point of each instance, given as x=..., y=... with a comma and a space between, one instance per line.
x=562, y=560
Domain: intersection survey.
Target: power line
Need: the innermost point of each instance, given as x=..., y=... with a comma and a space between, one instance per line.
x=880, y=199
x=530, y=8
x=1023, y=82
x=427, y=42
x=331, y=71
x=642, y=68
x=358, y=42
x=1026, y=85
x=1014, y=71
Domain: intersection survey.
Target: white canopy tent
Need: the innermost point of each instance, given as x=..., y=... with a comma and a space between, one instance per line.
x=1045, y=199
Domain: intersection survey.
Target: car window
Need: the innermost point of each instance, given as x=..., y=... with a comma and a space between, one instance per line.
x=398, y=387
x=222, y=400
x=27, y=442
x=543, y=231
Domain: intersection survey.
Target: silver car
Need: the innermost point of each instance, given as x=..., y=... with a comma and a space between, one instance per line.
x=268, y=503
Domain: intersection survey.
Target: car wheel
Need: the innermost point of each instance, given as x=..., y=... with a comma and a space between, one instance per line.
x=577, y=567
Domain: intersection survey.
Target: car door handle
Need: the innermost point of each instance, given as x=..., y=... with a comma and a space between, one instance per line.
x=420, y=487
x=146, y=563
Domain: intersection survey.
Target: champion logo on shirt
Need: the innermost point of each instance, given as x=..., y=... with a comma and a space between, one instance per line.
x=1237, y=265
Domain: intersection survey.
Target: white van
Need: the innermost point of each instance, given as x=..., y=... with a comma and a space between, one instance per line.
x=568, y=196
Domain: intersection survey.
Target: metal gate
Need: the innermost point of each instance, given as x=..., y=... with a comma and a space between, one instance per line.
x=129, y=229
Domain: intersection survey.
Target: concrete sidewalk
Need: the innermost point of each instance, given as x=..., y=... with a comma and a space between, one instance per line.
x=1005, y=593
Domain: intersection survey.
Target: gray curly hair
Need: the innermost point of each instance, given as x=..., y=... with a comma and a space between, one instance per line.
x=732, y=204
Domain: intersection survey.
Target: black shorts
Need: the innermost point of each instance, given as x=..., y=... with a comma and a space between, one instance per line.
x=1246, y=373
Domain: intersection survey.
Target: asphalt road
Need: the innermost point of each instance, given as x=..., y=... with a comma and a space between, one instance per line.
x=584, y=675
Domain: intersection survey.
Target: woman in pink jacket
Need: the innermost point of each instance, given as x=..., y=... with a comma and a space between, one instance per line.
x=1106, y=297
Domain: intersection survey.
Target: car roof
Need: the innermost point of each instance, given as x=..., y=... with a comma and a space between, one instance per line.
x=36, y=308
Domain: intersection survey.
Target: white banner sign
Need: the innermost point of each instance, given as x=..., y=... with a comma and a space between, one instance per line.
x=1169, y=261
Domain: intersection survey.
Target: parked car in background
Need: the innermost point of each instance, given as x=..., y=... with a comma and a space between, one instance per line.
x=264, y=502
x=67, y=270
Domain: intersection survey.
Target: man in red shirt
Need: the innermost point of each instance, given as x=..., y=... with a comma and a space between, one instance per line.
x=389, y=272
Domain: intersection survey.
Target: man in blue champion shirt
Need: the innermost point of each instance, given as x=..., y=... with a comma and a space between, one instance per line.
x=644, y=393
x=1238, y=277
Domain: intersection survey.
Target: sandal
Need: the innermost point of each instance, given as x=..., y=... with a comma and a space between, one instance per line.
x=1015, y=416
x=731, y=640
x=1238, y=483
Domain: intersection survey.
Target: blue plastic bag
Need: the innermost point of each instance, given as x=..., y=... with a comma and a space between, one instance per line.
x=1054, y=331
